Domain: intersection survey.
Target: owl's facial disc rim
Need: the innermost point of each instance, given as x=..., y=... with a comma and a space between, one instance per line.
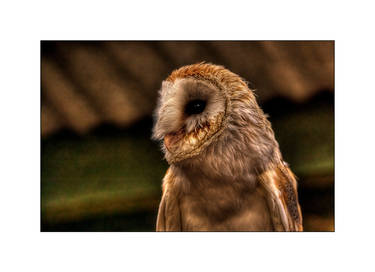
x=214, y=127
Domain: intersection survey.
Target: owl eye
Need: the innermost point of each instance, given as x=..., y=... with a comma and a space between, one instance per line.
x=195, y=107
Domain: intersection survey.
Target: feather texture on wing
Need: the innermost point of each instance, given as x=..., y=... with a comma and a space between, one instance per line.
x=169, y=218
x=281, y=187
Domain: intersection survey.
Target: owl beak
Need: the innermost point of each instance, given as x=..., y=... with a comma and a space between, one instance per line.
x=167, y=141
x=171, y=139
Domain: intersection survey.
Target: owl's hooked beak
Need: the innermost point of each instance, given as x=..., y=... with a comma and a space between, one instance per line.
x=184, y=142
x=172, y=138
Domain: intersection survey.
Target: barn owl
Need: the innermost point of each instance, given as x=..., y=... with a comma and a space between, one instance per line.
x=226, y=171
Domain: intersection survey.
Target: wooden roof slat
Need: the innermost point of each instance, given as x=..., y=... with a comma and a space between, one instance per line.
x=186, y=52
x=142, y=62
x=324, y=53
x=285, y=75
x=248, y=60
x=313, y=60
x=50, y=121
x=60, y=91
x=119, y=101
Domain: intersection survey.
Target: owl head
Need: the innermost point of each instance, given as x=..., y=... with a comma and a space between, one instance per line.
x=205, y=110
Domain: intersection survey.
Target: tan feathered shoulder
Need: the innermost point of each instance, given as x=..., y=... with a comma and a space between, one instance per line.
x=281, y=186
x=169, y=217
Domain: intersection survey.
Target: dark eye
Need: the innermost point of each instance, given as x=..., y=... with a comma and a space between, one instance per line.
x=195, y=107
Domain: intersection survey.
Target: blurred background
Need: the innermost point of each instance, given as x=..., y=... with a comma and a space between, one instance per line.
x=99, y=169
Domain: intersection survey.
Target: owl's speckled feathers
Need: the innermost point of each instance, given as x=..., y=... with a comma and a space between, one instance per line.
x=226, y=171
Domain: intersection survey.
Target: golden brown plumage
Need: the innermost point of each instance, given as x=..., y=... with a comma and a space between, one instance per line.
x=226, y=171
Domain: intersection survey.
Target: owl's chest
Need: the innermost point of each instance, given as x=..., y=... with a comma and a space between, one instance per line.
x=224, y=209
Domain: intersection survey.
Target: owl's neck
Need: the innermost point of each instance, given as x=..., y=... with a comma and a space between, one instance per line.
x=234, y=159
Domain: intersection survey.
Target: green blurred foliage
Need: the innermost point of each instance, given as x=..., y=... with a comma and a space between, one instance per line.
x=83, y=177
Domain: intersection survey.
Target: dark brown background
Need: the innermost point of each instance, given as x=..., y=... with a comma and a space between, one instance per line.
x=101, y=171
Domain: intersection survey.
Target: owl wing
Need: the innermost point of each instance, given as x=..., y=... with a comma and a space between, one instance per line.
x=169, y=217
x=281, y=188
